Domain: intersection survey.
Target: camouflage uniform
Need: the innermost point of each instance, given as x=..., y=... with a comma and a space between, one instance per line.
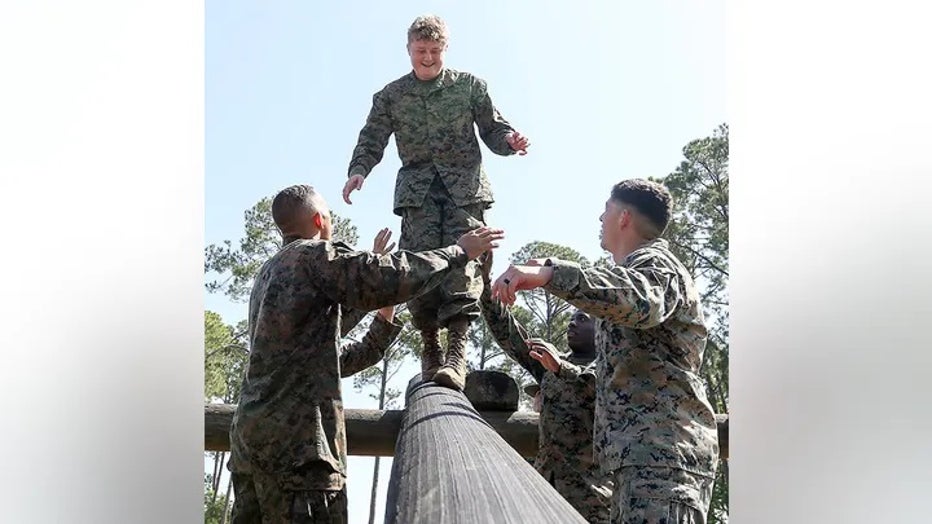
x=655, y=430
x=262, y=498
x=564, y=455
x=441, y=190
x=288, y=437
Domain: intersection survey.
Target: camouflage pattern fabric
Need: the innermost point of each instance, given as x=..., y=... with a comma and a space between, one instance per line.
x=433, y=126
x=261, y=500
x=651, y=408
x=440, y=222
x=289, y=423
x=660, y=496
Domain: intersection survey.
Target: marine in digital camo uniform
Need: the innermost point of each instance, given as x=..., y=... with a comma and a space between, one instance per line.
x=288, y=437
x=441, y=190
x=655, y=430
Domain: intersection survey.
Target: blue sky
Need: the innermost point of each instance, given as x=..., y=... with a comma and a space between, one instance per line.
x=604, y=91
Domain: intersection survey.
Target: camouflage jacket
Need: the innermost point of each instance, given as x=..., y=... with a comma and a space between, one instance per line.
x=433, y=126
x=565, y=453
x=289, y=421
x=651, y=406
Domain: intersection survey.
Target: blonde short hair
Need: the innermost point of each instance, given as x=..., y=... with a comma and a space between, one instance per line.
x=429, y=27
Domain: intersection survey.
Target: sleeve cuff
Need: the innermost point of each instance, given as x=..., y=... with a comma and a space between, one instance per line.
x=569, y=371
x=383, y=328
x=566, y=371
x=565, y=276
x=457, y=255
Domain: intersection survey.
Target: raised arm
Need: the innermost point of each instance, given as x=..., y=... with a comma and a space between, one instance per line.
x=366, y=281
x=508, y=333
x=637, y=297
x=349, y=319
x=493, y=128
x=357, y=356
x=544, y=353
x=372, y=138
x=583, y=376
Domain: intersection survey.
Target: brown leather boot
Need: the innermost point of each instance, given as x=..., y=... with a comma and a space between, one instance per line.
x=453, y=373
x=432, y=356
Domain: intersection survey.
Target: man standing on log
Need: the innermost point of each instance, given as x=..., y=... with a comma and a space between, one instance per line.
x=288, y=437
x=655, y=430
x=564, y=456
x=441, y=190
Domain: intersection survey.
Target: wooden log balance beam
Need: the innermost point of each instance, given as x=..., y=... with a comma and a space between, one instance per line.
x=373, y=433
x=452, y=467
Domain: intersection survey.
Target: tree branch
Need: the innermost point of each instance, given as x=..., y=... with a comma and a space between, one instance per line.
x=711, y=264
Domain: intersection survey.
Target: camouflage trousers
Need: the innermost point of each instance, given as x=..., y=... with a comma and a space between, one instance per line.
x=592, y=500
x=438, y=223
x=646, y=495
x=260, y=499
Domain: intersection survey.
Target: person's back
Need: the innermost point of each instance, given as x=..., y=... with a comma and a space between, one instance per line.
x=294, y=367
x=653, y=362
x=288, y=437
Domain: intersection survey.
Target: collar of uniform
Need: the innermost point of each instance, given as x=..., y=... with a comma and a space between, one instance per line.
x=580, y=360
x=657, y=243
x=446, y=78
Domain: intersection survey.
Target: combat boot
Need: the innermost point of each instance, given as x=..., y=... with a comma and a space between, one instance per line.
x=453, y=372
x=432, y=356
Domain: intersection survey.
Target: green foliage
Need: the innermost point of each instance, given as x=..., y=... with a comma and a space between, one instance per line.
x=213, y=503
x=225, y=358
x=604, y=262
x=718, y=511
x=698, y=234
x=551, y=315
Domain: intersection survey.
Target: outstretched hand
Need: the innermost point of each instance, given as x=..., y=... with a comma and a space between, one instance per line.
x=520, y=278
x=354, y=183
x=545, y=353
x=480, y=240
x=518, y=142
x=380, y=244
